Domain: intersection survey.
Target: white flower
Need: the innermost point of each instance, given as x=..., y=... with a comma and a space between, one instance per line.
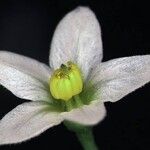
x=78, y=39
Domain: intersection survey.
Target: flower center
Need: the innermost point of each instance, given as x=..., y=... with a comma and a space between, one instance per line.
x=66, y=82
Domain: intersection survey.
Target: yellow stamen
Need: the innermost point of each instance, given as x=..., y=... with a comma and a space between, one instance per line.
x=66, y=82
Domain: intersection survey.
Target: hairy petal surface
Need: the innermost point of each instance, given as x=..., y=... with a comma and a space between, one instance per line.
x=116, y=78
x=87, y=115
x=26, y=121
x=77, y=38
x=24, y=77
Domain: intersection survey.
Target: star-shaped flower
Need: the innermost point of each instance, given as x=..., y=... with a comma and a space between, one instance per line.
x=74, y=87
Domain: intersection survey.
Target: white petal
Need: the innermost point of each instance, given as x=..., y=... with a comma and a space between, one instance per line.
x=117, y=78
x=77, y=38
x=26, y=121
x=24, y=77
x=87, y=115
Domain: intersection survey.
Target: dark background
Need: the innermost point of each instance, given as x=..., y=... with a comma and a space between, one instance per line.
x=26, y=27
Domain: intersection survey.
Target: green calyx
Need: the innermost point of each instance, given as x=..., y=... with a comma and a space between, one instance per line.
x=67, y=89
x=84, y=98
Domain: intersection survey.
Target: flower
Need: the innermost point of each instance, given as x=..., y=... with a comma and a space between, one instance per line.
x=77, y=40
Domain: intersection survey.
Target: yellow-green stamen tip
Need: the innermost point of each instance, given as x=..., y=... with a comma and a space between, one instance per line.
x=66, y=82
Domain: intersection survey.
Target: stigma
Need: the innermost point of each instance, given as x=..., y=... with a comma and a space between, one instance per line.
x=66, y=82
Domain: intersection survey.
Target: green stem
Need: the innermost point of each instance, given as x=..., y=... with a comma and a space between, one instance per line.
x=87, y=140
x=84, y=134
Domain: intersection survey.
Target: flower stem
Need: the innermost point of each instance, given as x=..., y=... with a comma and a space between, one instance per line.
x=87, y=140
x=84, y=134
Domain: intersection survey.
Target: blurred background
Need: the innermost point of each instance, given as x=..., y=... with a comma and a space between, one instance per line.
x=27, y=27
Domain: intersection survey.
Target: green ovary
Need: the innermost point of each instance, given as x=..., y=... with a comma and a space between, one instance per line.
x=66, y=82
